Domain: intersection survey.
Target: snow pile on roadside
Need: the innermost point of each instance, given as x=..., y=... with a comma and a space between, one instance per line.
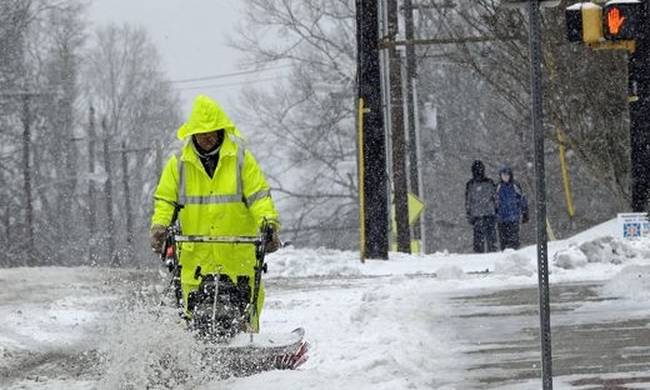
x=632, y=282
x=570, y=258
x=291, y=262
x=401, y=344
x=296, y=263
x=595, y=245
x=450, y=272
x=604, y=250
x=515, y=264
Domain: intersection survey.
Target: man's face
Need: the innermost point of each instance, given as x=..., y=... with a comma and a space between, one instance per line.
x=207, y=141
x=505, y=177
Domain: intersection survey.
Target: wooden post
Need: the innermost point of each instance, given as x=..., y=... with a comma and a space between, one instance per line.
x=374, y=136
x=411, y=107
x=398, y=136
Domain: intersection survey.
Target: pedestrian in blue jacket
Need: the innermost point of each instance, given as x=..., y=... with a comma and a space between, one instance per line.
x=512, y=209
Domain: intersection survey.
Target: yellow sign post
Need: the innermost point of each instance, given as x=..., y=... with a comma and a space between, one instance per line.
x=416, y=208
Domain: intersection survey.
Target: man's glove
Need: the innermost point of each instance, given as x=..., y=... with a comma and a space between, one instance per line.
x=525, y=218
x=273, y=243
x=157, y=236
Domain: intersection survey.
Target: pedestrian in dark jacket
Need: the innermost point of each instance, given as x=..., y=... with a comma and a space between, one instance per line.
x=512, y=209
x=481, y=208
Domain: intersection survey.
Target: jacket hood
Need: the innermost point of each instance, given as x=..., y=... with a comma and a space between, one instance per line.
x=207, y=115
x=508, y=170
x=478, y=170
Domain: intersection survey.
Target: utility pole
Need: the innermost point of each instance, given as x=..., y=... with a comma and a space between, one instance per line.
x=127, y=196
x=398, y=137
x=411, y=106
x=537, y=122
x=639, y=85
x=373, y=194
x=92, y=201
x=27, y=179
x=113, y=259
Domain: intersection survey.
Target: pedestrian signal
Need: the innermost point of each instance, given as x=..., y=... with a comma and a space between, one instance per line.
x=584, y=23
x=620, y=19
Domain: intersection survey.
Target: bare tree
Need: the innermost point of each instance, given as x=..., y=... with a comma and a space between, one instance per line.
x=50, y=74
x=306, y=122
x=126, y=85
x=43, y=39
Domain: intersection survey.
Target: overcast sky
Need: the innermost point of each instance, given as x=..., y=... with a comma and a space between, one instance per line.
x=191, y=36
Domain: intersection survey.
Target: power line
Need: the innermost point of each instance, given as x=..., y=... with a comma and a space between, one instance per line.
x=224, y=85
x=228, y=75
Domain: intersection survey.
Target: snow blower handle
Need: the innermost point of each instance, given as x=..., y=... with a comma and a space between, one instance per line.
x=169, y=256
x=266, y=236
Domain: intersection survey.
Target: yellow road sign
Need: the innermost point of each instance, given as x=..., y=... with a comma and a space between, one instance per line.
x=416, y=207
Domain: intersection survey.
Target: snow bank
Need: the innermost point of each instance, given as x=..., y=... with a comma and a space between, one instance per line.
x=604, y=250
x=570, y=258
x=293, y=262
x=596, y=245
x=450, y=272
x=632, y=282
x=515, y=264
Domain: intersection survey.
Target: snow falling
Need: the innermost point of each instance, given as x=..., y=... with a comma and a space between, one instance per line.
x=436, y=151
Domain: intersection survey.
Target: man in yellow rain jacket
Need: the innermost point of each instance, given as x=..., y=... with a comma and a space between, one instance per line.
x=223, y=193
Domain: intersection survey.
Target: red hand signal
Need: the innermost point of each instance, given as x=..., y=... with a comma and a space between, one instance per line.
x=615, y=21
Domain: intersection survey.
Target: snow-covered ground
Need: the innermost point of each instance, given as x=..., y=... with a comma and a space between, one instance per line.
x=442, y=321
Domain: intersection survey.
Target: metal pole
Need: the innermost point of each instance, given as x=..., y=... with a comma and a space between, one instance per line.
x=537, y=120
x=374, y=147
x=639, y=81
x=398, y=136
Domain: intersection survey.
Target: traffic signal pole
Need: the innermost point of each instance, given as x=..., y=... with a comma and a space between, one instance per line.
x=639, y=105
x=374, y=196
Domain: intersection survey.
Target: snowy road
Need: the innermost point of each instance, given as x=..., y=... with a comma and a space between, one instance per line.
x=411, y=323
